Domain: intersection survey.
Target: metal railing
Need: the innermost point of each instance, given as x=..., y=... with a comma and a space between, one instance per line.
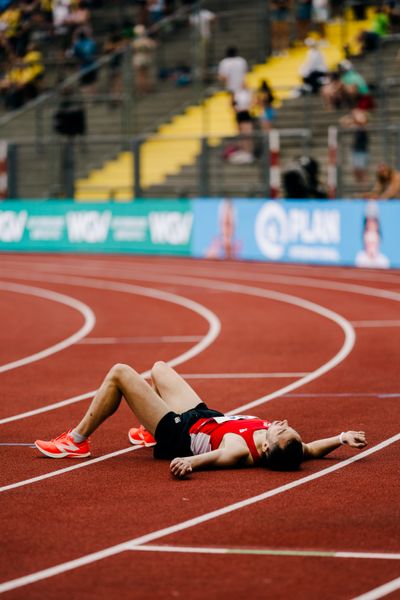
x=207, y=166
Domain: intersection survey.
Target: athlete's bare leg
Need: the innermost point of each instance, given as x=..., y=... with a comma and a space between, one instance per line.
x=173, y=389
x=124, y=381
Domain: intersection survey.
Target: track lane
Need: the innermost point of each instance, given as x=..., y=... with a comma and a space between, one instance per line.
x=341, y=370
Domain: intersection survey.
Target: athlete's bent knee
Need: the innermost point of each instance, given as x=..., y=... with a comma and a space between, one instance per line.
x=158, y=368
x=118, y=371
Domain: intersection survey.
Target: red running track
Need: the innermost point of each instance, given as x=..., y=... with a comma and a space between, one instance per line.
x=316, y=345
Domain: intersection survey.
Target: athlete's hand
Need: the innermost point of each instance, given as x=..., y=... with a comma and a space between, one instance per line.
x=355, y=439
x=180, y=467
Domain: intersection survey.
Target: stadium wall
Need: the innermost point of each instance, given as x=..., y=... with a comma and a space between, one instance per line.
x=343, y=232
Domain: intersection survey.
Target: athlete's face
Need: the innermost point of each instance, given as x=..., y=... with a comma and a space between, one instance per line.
x=280, y=433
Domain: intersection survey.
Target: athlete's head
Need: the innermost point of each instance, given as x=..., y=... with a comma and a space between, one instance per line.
x=282, y=448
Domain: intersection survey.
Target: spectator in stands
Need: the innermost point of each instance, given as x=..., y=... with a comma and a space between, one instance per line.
x=10, y=21
x=79, y=15
x=357, y=120
x=70, y=118
x=21, y=82
x=280, y=25
x=203, y=21
x=232, y=70
x=264, y=104
x=393, y=11
x=303, y=18
x=243, y=102
x=387, y=184
x=155, y=10
x=369, y=40
x=336, y=8
x=356, y=89
x=61, y=10
x=84, y=49
x=12, y=85
x=143, y=60
x=114, y=45
x=359, y=9
x=333, y=92
x=314, y=70
x=320, y=15
x=141, y=13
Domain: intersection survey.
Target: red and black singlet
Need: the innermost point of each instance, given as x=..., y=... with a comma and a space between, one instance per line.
x=206, y=434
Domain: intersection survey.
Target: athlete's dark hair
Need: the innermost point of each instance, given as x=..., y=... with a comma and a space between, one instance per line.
x=287, y=458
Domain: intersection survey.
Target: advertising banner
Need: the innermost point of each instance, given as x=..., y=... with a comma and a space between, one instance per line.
x=341, y=232
x=149, y=227
x=344, y=232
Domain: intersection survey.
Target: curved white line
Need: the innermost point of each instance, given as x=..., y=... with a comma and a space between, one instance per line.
x=86, y=312
x=207, y=340
x=349, y=334
x=172, y=529
x=381, y=591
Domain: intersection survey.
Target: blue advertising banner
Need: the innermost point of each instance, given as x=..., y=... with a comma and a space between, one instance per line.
x=344, y=232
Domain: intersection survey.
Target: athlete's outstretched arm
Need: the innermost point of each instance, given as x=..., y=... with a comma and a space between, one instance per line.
x=222, y=458
x=320, y=448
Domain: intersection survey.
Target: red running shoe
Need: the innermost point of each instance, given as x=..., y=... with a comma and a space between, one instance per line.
x=138, y=436
x=64, y=446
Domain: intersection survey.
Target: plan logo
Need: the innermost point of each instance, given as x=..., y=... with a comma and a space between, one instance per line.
x=271, y=230
x=302, y=233
x=172, y=228
x=91, y=226
x=12, y=225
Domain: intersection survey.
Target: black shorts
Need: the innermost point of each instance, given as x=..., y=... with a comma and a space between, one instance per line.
x=172, y=432
x=243, y=116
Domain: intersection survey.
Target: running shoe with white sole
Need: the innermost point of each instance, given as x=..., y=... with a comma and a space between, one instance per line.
x=138, y=436
x=64, y=446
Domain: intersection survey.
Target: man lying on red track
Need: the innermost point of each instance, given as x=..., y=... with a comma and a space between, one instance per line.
x=183, y=426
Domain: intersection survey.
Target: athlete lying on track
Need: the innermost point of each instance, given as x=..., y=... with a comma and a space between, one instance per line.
x=183, y=426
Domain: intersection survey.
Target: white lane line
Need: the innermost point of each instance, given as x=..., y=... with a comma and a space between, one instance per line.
x=377, y=323
x=86, y=312
x=172, y=339
x=212, y=333
x=345, y=395
x=162, y=274
x=349, y=339
x=267, y=552
x=349, y=334
x=293, y=300
x=241, y=375
x=381, y=591
x=384, y=276
x=80, y=465
x=30, y=444
x=160, y=533
x=48, y=407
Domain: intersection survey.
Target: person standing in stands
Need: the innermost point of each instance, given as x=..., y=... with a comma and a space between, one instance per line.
x=232, y=70
x=264, y=102
x=202, y=21
x=357, y=120
x=143, y=60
